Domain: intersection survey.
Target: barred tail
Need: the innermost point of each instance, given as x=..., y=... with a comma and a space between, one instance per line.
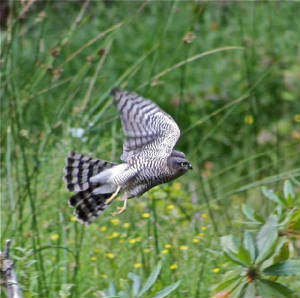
x=78, y=171
x=88, y=206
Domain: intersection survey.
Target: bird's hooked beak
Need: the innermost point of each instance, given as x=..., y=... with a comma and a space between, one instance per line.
x=190, y=167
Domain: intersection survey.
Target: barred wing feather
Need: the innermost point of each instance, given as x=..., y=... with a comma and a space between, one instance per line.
x=148, y=129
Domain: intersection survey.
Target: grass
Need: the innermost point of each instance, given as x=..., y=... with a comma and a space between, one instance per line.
x=237, y=109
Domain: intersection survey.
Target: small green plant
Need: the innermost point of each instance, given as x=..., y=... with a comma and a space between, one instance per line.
x=263, y=254
x=141, y=290
x=138, y=289
x=286, y=209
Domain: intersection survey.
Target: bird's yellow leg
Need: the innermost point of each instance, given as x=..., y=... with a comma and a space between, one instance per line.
x=121, y=209
x=112, y=197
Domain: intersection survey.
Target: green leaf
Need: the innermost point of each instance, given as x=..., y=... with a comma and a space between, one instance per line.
x=244, y=256
x=229, y=244
x=136, y=283
x=227, y=280
x=250, y=214
x=250, y=291
x=266, y=238
x=282, y=252
x=232, y=284
x=268, y=193
x=289, y=267
x=151, y=280
x=233, y=257
x=234, y=251
x=249, y=244
x=111, y=291
x=236, y=293
x=166, y=291
x=271, y=289
x=288, y=190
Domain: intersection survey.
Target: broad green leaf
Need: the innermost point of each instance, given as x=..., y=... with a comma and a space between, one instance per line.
x=250, y=291
x=250, y=214
x=289, y=267
x=111, y=291
x=266, y=238
x=287, y=217
x=268, y=193
x=227, y=279
x=233, y=284
x=244, y=256
x=136, y=283
x=166, y=291
x=282, y=251
x=271, y=289
x=235, y=259
x=236, y=293
x=249, y=244
x=151, y=280
x=229, y=244
x=288, y=190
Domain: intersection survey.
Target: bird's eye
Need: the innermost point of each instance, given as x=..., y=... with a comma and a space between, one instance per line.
x=182, y=164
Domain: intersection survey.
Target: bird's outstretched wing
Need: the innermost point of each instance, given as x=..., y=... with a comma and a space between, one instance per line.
x=148, y=128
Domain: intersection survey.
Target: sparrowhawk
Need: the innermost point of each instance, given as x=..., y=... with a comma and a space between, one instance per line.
x=148, y=159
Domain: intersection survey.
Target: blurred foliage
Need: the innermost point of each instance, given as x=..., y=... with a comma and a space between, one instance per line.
x=237, y=108
x=264, y=251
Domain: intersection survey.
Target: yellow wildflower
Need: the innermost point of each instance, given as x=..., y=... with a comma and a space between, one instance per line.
x=170, y=207
x=104, y=275
x=168, y=245
x=93, y=259
x=54, y=237
x=73, y=218
x=201, y=235
x=204, y=215
x=137, y=265
x=96, y=250
x=204, y=228
x=126, y=225
x=103, y=229
x=177, y=185
x=196, y=240
x=115, y=221
x=249, y=119
x=183, y=247
x=147, y=250
x=132, y=241
x=110, y=255
x=173, y=267
x=146, y=215
x=115, y=235
x=216, y=270
x=165, y=251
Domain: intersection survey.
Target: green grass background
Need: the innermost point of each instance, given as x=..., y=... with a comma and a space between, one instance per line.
x=238, y=110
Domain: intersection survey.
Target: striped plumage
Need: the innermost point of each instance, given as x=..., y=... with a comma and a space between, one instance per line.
x=148, y=159
x=78, y=171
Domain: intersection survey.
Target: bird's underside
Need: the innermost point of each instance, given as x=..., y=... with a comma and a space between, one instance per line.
x=148, y=159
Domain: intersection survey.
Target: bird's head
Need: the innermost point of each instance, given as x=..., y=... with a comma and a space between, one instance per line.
x=179, y=164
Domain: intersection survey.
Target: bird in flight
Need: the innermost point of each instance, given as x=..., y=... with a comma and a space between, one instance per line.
x=148, y=159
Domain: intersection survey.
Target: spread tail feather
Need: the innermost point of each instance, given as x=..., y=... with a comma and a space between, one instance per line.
x=88, y=206
x=78, y=171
